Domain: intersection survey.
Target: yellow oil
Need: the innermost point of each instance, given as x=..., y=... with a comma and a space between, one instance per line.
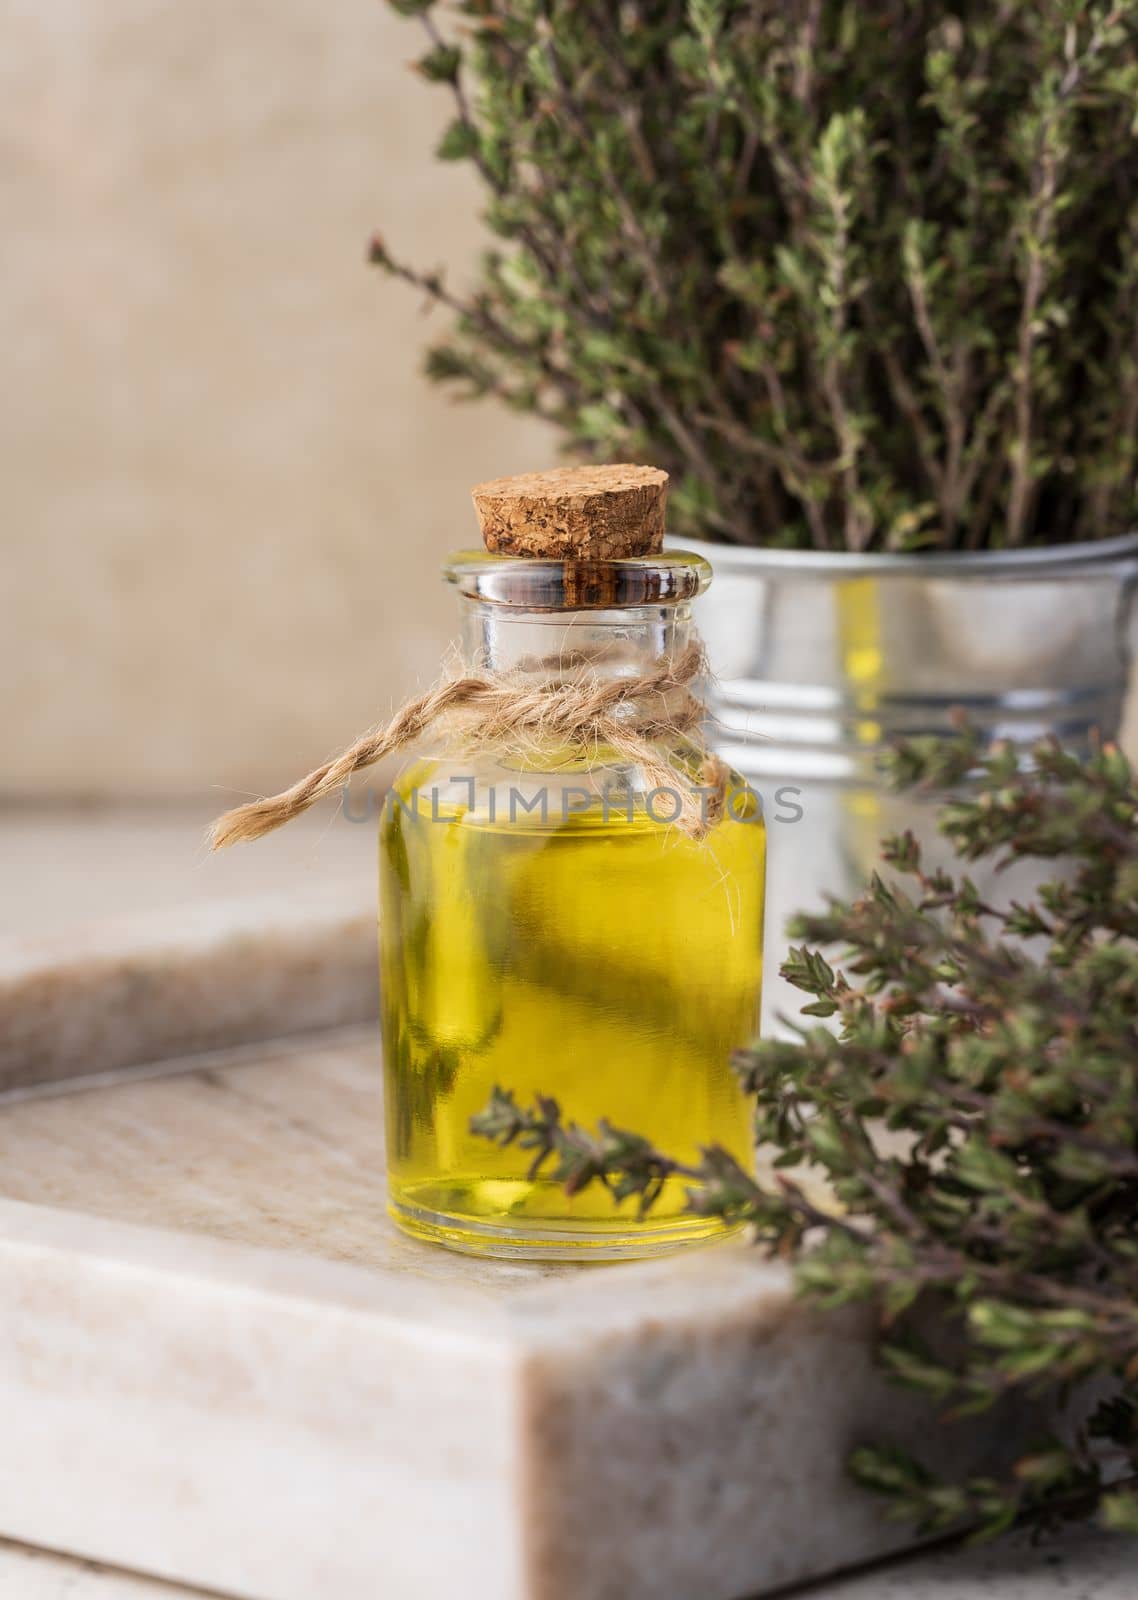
x=611, y=963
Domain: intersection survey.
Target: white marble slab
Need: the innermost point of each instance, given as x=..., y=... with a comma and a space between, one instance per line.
x=220, y=1365
x=140, y=988
x=124, y=942
x=64, y=867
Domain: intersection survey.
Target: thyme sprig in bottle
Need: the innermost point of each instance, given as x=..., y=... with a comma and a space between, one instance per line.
x=545, y=923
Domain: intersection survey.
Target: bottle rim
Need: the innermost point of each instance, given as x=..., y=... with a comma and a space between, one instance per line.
x=540, y=584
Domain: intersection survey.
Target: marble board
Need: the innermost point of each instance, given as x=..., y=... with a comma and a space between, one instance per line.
x=221, y=1365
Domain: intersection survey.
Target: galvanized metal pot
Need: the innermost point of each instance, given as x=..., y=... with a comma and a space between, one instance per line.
x=821, y=660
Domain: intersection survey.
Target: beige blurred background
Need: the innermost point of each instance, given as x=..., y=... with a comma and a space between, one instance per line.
x=226, y=485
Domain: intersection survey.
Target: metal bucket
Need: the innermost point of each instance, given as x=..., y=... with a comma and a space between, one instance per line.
x=821, y=660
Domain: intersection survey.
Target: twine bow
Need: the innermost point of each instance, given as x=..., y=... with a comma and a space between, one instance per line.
x=632, y=717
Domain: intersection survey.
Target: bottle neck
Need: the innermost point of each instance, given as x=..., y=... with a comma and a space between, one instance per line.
x=554, y=644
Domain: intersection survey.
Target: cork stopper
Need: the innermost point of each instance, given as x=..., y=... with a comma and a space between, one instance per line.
x=605, y=513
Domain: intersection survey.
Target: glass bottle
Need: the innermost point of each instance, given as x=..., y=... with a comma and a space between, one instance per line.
x=546, y=928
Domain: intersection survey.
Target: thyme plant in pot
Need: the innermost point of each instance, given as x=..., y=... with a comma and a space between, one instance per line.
x=864, y=279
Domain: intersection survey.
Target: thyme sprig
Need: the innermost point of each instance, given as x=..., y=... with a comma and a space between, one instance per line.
x=971, y=1105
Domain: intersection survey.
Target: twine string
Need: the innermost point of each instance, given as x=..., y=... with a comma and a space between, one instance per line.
x=637, y=718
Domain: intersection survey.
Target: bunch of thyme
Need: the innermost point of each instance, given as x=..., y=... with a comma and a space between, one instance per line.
x=974, y=1112
x=858, y=276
